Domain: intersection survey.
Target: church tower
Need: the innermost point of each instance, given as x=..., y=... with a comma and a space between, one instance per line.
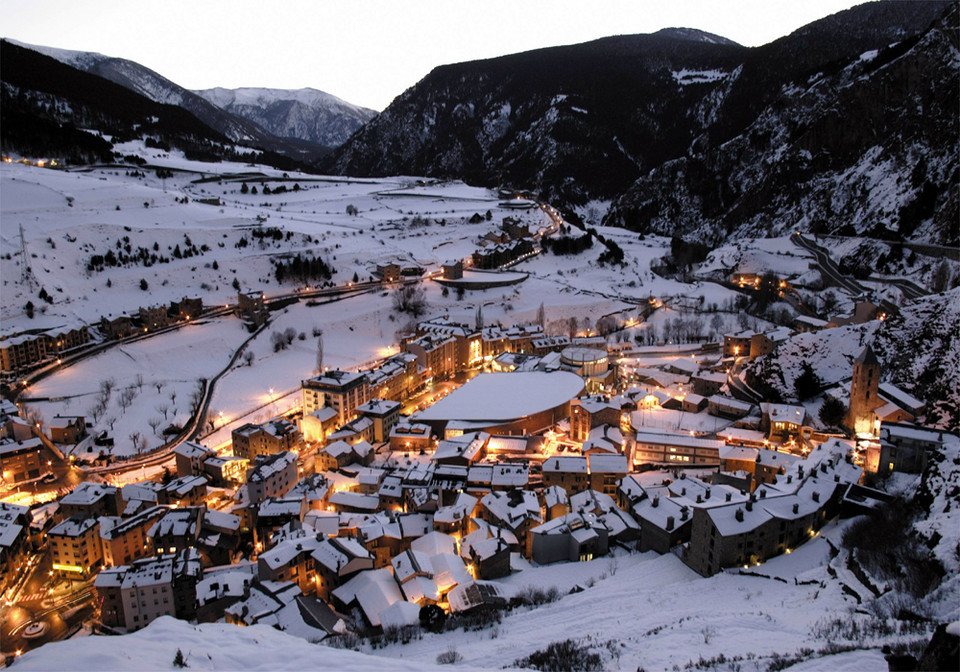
x=863, y=392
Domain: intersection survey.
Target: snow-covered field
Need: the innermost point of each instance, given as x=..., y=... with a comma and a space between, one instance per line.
x=637, y=611
x=198, y=249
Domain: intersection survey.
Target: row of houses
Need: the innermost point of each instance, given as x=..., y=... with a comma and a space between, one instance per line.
x=27, y=349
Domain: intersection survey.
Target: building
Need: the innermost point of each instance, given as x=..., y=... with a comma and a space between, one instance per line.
x=271, y=476
x=505, y=403
x=589, y=412
x=768, y=341
x=782, y=422
x=902, y=449
x=570, y=538
x=728, y=407
x=187, y=308
x=89, y=500
x=67, y=429
x=436, y=353
x=133, y=596
x=568, y=472
x=14, y=540
x=452, y=270
x=389, y=271
x=190, y=457
x=864, y=397
x=20, y=460
x=116, y=327
x=154, y=317
x=185, y=491
x=342, y=391
x=75, y=547
x=251, y=308
x=651, y=447
x=274, y=436
x=319, y=424
x=708, y=383
x=411, y=437
x=737, y=344
x=335, y=561
x=385, y=415
x=126, y=540
x=606, y=471
x=469, y=348
x=397, y=378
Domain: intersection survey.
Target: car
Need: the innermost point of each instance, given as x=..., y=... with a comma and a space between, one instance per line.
x=49, y=478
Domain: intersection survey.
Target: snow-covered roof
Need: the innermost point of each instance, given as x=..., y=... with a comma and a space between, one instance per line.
x=506, y=396
x=374, y=590
x=565, y=464
x=784, y=412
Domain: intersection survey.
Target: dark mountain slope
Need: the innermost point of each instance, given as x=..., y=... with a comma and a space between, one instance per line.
x=868, y=146
x=582, y=120
x=585, y=121
x=45, y=102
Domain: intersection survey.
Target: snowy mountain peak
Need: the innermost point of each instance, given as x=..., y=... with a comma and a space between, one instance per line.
x=262, y=97
x=306, y=114
x=695, y=35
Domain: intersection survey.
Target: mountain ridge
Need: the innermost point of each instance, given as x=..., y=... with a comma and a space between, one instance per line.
x=306, y=114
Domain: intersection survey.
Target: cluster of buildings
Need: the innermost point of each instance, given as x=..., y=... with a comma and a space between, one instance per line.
x=35, y=347
x=554, y=456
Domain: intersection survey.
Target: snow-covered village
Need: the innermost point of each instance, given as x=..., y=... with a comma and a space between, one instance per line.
x=365, y=411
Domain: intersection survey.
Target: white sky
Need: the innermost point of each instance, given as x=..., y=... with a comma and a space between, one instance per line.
x=367, y=51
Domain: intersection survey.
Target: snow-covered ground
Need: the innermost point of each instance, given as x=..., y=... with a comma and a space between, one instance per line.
x=636, y=610
x=68, y=218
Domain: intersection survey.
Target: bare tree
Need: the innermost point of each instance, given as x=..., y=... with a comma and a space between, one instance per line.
x=572, y=327
x=138, y=381
x=196, y=397
x=135, y=440
x=716, y=323
x=154, y=422
x=319, y=350
x=289, y=334
x=478, y=322
x=127, y=397
x=106, y=388
x=410, y=299
x=248, y=357
x=159, y=386
x=163, y=408
x=541, y=316
x=173, y=396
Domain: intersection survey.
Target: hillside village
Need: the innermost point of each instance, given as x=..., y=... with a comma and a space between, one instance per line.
x=386, y=499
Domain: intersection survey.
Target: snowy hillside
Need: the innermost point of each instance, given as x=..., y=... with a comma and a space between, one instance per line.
x=307, y=114
x=156, y=87
x=917, y=347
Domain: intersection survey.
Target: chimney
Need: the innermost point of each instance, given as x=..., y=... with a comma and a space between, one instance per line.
x=699, y=499
x=684, y=512
x=789, y=479
x=683, y=491
x=749, y=505
x=796, y=508
x=707, y=496
x=669, y=523
x=836, y=478
x=739, y=513
x=656, y=502
x=729, y=496
x=816, y=496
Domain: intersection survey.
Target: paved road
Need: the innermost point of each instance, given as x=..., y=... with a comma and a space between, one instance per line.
x=738, y=388
x=832, y=272
x=827, y=266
